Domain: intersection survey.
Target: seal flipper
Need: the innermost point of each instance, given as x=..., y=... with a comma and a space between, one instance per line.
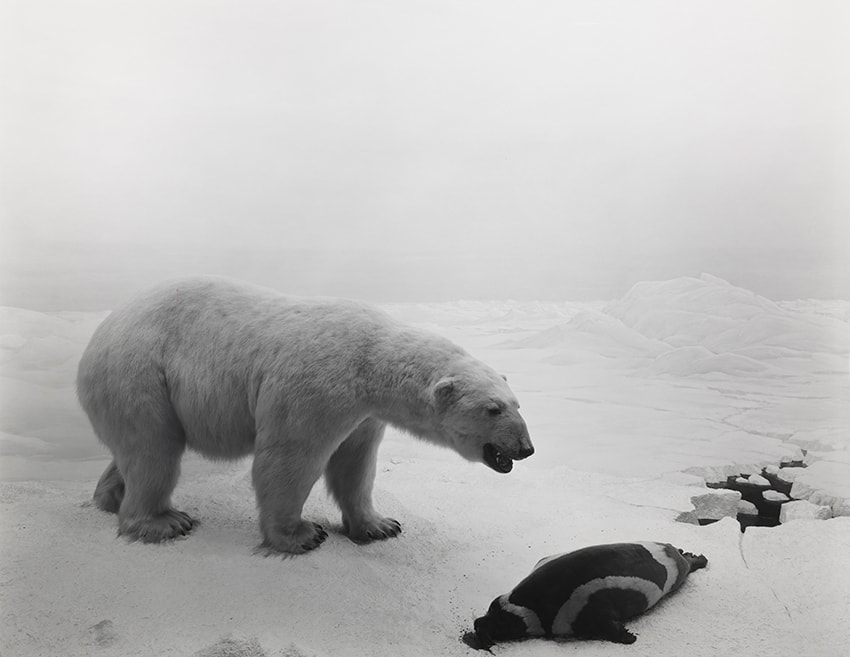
x=605, y=629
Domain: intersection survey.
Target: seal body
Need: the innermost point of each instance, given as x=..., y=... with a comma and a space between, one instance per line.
x=588, y=593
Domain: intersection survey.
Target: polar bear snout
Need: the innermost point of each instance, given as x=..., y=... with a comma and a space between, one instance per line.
x=501, y=461
x=524, y=448
x=525, y=452
x=500, y=457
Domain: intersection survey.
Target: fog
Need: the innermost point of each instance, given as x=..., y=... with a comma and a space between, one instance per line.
x=423, y=150
x=542, y=182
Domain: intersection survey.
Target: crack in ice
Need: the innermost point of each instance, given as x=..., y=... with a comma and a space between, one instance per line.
x=770, y=588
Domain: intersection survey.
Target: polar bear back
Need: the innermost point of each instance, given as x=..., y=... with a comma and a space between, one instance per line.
x=213, y=346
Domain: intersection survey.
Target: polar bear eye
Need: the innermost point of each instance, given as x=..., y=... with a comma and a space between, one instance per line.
x=494, y=410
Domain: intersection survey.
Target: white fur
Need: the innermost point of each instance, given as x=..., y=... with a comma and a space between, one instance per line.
x=307, y=385
x=567, y=614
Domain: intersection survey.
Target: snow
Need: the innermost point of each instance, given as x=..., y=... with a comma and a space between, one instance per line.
x=788, y=475
x=716, y=504
x=632, y=405
x=803, y=510
x=747, y=508
x=758, y=480
x=774, y=496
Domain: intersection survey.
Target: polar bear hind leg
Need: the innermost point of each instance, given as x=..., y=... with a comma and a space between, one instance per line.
x=110, y=490
x=149, y=466
x=349, y=476
x=138, y=483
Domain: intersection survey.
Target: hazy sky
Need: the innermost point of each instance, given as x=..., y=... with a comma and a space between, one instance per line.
x=594, y=132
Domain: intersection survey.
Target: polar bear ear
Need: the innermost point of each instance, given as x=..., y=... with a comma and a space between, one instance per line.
x=504, y=378
x=444, y=390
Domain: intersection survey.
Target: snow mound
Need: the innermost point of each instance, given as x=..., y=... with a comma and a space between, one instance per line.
x=826, y=481
x=824, y=335
x=75, y=326
x=39, y=414
x=707, y=295
x=44, y=348
x=598, y=331
x=803, y=510
x=693, y=327
x=687, y=361
x=719, y=328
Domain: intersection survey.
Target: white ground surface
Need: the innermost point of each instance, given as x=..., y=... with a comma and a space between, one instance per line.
x=621, y=399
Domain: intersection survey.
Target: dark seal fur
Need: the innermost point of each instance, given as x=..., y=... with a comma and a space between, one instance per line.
x=586, y=594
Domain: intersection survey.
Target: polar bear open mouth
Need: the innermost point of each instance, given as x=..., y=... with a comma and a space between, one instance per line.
x=496, y=459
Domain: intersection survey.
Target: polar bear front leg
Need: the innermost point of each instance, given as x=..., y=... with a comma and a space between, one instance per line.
x=282, y=480
x=349, y=476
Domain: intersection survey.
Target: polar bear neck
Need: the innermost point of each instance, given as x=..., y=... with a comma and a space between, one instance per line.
x=406, y=364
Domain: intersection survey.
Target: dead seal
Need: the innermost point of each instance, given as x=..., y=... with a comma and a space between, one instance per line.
x=586, y=594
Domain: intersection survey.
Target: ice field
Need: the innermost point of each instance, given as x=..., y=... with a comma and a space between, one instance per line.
x=632, y=404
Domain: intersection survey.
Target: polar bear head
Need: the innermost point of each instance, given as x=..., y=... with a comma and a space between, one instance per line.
x=479, y=417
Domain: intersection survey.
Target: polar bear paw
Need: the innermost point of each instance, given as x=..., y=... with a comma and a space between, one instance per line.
x=375, y=528
x=167, y=525
x=306, y=536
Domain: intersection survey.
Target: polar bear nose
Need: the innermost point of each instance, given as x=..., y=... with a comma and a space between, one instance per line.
x=525, y=452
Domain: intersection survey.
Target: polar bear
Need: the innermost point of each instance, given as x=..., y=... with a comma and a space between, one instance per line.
x=306, y=384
